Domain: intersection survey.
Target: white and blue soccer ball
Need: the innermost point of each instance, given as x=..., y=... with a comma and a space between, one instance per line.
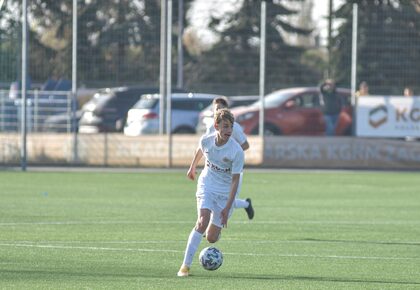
x=211, y=258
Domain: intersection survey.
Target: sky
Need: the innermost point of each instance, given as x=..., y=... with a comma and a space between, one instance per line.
x=319, y=14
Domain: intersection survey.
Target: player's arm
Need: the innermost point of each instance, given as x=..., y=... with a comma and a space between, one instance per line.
x=245, y=145
x=197, y=157
x=231, y=199
x=240, y=137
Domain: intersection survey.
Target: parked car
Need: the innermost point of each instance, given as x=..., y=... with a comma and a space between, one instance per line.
x=205, y=118
x=143, y=118
x=293, y=111
x=107, y=110
x=62, y=123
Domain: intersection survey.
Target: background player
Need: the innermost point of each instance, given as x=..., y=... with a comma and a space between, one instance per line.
x=240, y=137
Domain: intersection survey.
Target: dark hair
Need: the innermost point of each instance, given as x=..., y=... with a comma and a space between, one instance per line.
x=221, y=100
x=363, y=84
x=328, y=87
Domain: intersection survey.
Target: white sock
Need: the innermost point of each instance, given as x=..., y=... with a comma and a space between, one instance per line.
x=194, y=241
x=241, y=203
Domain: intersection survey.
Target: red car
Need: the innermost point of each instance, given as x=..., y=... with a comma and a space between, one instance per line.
x=293, y=111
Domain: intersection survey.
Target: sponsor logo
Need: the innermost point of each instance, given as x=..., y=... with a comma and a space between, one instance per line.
x=217, y=168
x=378, y=116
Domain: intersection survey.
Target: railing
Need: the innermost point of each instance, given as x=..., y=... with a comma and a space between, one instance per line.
x=46, y=111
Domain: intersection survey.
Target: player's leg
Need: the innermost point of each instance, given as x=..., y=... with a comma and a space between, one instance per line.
x=240, y=203
x=214, y=229
x=195, y=236
x=213, y=233
x=243, y=203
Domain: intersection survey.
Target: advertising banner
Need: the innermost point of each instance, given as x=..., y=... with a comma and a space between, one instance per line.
x=341, y=152
x=380, y=116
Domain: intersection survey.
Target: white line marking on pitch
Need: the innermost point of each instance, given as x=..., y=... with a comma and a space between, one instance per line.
x=226, y=253
x=192, y=222
x=89, y=248
x=225, y=240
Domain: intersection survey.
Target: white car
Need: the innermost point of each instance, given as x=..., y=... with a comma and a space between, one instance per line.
x=143, y=117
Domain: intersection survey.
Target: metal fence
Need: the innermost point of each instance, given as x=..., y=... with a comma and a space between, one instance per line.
x=46, y=111
x=215, y=49
x=118, y=43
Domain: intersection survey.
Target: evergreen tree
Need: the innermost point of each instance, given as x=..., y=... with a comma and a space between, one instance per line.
x=9, y=46
x=388, y=45
x=235, y=58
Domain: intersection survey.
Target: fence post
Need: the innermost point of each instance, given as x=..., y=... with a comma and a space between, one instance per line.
x=74, y=84
x=262, y=66
x=24, y=79
x=354, y=67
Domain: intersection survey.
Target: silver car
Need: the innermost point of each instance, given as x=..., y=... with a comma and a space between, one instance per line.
x=143, y=117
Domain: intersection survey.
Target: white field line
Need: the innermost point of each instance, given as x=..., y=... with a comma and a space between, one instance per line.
x=89, y=248
x=225, y=240
x=47, y=246
x=394, y=222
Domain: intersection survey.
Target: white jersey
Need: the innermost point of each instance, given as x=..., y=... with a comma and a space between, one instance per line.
x=237, y=133
x=221, y=162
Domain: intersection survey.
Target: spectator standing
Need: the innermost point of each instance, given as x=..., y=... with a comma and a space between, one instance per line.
x=363, y=89
x=331, y=104
x=408, y=92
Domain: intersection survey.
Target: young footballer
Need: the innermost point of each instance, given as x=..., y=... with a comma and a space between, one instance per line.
x=216, y=186
x=240, y=137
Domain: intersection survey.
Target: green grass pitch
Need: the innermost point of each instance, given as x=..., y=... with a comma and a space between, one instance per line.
x=312, y=230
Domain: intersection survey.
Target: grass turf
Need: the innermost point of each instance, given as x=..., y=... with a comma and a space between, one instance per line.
x=312, y=230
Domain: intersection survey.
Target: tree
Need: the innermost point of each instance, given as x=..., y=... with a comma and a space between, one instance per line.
x=118, y=40
x=235, y=58
x=388, y=44
x=9, y=34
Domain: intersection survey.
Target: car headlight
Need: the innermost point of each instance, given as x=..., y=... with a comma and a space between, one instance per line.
x=244, y=117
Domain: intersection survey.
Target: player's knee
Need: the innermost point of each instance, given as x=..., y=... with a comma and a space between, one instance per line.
x=201, y=225
x=212, y=238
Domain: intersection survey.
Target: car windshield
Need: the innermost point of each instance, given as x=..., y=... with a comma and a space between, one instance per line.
x=146, y=102
x=274, y=99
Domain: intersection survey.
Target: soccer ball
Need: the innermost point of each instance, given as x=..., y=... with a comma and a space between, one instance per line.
x=211, y=258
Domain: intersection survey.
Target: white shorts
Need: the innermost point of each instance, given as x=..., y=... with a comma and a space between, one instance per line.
x=215, y=204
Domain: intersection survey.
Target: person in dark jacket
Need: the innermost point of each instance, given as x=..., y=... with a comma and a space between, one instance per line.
x=331, y=104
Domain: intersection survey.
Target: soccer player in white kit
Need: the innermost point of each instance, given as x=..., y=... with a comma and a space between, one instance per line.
x=216, y=186
x=240, y=137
